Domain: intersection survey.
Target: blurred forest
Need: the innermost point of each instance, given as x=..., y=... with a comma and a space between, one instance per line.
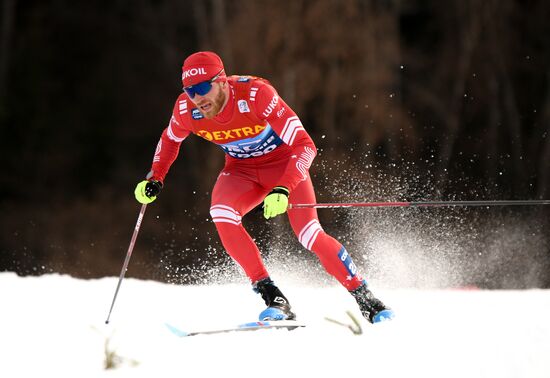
x=406, y=100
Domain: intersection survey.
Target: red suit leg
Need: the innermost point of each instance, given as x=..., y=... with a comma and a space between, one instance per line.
x=333, y=256
x=234, y=195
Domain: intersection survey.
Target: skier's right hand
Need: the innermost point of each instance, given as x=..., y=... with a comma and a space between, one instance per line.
x=147, y=191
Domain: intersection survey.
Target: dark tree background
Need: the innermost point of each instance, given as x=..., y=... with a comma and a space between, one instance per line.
x=435, y=99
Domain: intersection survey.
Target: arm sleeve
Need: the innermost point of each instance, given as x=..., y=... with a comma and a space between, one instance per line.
x=270, y=107
x=168, y=145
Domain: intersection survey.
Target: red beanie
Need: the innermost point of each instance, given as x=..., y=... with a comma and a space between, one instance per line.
x=200, y=66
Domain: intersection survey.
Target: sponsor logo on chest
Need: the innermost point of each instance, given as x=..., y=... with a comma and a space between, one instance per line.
x=196, y=114
x=252, y=149
x=243, y=106
x=225, y=135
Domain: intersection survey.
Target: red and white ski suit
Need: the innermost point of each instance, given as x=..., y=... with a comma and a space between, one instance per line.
x=266, y=145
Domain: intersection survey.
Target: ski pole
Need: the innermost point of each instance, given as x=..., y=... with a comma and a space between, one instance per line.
x=419, y=204
x=128, y=254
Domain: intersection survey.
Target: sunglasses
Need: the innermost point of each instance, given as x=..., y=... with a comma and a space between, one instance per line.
x=201, y=88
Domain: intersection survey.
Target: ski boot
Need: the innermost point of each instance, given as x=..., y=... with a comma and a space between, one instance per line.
x=372, y=308
x=278, y=307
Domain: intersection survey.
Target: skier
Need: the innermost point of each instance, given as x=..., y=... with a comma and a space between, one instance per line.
x=268, y=155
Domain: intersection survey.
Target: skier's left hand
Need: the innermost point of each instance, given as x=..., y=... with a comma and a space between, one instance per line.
x=276, y=202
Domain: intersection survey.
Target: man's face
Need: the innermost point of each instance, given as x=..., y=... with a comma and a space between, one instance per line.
x=211, y=103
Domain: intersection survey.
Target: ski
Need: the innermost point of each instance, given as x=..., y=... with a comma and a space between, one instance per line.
x=251, y=326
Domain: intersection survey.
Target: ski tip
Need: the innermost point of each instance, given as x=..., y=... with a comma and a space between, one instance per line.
x=383, y=316
x=176, y=331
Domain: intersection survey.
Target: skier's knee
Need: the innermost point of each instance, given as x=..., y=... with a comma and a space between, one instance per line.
x=309, y=233
x=225, y=214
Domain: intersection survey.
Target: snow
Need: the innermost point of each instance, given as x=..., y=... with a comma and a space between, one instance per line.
x=54, y=325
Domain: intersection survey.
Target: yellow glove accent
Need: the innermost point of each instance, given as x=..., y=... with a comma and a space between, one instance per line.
x=276, y=202
x=141, y=195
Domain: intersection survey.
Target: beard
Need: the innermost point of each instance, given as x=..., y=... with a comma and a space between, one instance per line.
x=216, y=106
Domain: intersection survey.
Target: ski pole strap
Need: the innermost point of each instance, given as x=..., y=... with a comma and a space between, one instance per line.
x=419, y=204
